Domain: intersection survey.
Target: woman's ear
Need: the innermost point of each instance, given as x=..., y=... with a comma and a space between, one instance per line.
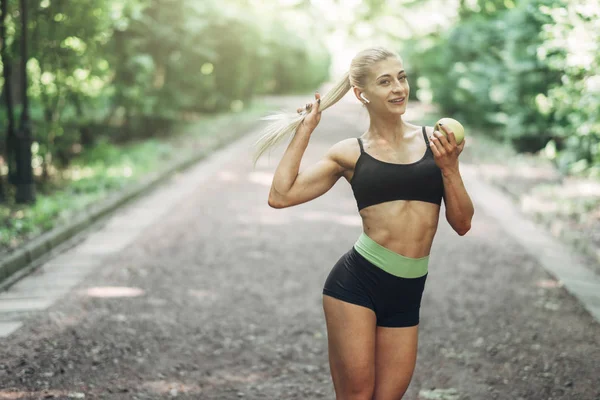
x=360, y=95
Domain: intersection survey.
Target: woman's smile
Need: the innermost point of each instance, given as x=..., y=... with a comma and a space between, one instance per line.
x=398, y=100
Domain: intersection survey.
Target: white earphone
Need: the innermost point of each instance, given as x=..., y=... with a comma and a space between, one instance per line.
x=362, y=96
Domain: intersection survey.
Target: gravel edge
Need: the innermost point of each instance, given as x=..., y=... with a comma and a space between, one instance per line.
x=28, y=257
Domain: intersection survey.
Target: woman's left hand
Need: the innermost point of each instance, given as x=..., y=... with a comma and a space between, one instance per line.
x=445, y=150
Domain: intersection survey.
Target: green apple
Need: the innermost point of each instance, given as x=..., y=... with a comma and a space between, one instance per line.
x=452, y=124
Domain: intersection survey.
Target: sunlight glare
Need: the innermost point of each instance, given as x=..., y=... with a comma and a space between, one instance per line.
x=113, y=291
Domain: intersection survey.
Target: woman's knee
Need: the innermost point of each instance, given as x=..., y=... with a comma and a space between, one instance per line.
x=357, y=391
x=354, y=383
x=394, y=393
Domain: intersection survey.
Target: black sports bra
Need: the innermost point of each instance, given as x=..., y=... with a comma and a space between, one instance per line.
x=376, y=181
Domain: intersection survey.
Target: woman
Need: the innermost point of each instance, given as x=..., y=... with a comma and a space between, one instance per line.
x=399, y=173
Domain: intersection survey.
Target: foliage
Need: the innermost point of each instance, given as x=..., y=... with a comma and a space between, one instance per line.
x=93, y=175
x=527, y=69
x=128, y=69
x=572, y=47
x=204, y=57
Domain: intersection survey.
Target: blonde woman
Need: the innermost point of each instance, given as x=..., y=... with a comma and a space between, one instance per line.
x=399, y=173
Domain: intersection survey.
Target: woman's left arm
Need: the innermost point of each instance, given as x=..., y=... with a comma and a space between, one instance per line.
x=459, y=207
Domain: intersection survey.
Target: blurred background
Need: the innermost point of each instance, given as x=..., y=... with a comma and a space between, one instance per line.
x=97, y=93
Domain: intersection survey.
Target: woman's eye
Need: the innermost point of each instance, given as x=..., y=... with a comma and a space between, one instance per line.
x=403, y=78
x=385, y=82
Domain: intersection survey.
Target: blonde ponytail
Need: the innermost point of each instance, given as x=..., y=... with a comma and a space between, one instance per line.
x=285, y=123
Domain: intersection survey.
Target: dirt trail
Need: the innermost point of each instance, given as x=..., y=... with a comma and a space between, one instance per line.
x=232, y=306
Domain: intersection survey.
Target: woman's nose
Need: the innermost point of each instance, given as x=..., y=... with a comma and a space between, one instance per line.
x=397, y=87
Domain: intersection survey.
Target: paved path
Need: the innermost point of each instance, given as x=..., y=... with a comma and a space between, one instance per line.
x=201, y=291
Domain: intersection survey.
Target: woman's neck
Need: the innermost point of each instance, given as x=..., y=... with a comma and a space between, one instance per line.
x=391, y=129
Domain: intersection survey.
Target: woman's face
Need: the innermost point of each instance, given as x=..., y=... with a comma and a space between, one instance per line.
x=387, y=87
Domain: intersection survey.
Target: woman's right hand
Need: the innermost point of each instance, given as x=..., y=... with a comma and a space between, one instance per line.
x=313, y=114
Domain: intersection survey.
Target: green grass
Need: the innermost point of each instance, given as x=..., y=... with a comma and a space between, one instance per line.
x=107, y=168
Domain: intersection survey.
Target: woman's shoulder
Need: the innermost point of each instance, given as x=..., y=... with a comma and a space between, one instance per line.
x=419, y=128
x=344, y=146
x=345, y=152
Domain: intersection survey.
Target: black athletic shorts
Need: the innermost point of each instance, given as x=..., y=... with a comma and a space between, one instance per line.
x=396, y=301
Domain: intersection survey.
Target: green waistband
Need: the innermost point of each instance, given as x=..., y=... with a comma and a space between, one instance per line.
x=389, y=261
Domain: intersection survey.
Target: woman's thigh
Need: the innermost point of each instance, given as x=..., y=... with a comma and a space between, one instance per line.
x=395, y=358
x=351, y=334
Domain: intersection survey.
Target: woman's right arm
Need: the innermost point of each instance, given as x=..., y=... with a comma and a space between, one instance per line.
x=289, y=187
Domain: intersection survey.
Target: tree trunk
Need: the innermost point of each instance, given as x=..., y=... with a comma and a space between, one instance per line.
x=24, y=180
x=9, y=148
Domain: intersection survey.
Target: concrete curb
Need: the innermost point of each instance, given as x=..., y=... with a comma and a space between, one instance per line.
x=557, y=258
x=32, y=254
x=576, y=240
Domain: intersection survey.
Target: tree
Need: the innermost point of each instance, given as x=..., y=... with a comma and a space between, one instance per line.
x=8, y=152
x=24, y=173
